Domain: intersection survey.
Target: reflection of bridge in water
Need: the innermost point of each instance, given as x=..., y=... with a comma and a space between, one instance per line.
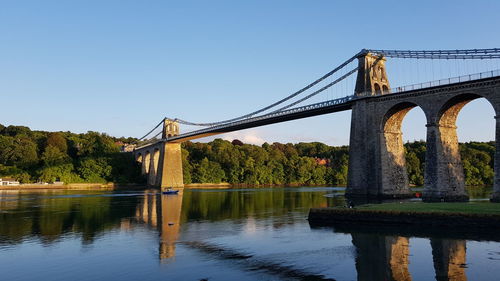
x=379, y=255
x=162, y=212
x=382, y=257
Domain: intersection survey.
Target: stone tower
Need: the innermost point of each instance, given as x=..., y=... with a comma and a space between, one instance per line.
x=372, y=77
x=170, y=128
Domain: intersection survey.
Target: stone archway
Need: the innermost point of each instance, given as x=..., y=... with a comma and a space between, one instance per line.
x=392, y=152
x=146, y=163
x=444, y=180
x=153, y=175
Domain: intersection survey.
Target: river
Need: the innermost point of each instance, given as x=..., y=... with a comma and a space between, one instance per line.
x=236, y=234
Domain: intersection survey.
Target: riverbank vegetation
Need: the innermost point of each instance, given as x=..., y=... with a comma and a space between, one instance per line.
x=310, y=163
x=31, y=156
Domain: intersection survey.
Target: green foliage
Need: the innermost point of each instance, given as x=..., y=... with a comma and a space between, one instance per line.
x=477, y=160
x=14, y=131
x=310, y=163
x=414, y=169
x=23, y=177
x=95, y=144
x=21, y=152
x=57, y=140
x=94, y=169
x=124, y=168
x=52, y=156
x=208, y=171
x=478, y=164
x=274, y=164
x=63, y=172
x=31, y=156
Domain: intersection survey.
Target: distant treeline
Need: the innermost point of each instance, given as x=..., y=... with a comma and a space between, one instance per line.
x=269, y=164
x=310, y=163
x=31, y=156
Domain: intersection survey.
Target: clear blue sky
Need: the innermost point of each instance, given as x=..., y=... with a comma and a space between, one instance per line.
x=120, y=66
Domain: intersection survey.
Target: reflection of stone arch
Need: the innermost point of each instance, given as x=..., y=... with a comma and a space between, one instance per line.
x=393, y=161
x=377, y=89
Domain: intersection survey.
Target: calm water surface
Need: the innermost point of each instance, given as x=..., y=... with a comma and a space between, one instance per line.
x=245, y=234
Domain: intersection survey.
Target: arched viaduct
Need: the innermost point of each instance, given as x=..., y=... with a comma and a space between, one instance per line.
x=377, y=157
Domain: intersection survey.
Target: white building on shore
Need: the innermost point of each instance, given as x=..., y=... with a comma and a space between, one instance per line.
x=8, y=181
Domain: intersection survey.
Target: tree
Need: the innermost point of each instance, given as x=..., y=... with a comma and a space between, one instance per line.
x=96, y=145
x=14, y=131
x=63, y=172
x=57, y=140
x=94, y=169
x=187, y=168
x=52, y=156
x=21, y=152
x=413, y=169
x=237, y=142
x=6, y=146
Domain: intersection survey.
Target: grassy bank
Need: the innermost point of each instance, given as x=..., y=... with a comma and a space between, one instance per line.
x=420, y=207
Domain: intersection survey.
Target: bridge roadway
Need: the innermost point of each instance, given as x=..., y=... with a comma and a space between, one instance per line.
x=326, y=107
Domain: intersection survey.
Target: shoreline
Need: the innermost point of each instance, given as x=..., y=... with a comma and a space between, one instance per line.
x=112, y=186
x=73, y=186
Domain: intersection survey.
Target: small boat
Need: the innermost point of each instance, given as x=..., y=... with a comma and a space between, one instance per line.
x=170, y=191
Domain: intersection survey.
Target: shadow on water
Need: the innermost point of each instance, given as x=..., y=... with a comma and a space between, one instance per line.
x=253, y=263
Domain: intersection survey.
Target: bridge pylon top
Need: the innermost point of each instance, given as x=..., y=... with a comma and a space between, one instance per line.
x=170, y=128
x=372, y=76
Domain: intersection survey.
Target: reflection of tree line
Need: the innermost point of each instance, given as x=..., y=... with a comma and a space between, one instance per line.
x=50, y=214
x=49, y=217
x=215, y=206
x=382, y=257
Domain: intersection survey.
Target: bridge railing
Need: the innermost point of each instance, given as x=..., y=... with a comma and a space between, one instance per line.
x=442, y=82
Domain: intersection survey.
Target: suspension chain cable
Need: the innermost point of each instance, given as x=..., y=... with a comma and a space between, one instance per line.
x=276, y=103
x=152, y=130
x=319, y=91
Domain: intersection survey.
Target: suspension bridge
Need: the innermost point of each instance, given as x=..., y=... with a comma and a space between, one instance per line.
x=361, y=84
